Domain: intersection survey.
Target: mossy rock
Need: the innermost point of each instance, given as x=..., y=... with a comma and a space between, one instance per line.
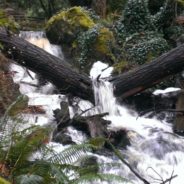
x=103, y=40
x=83, y=40
x=64, y=26
x=8, y=22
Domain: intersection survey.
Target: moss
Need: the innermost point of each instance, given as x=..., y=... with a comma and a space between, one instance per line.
x=120, y=67
x=75, y=16
x=64, y=26
x=8, y=22
x=104, y=40
x=83, y=40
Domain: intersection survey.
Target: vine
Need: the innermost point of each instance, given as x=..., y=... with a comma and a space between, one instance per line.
x=85, y=42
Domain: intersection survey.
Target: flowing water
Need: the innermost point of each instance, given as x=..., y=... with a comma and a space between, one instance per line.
x=155, y=151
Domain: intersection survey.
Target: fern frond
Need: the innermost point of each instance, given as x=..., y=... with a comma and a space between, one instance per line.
x=29, y=179
x=60, y=176
x=22, y=149
x=98, y=178
x=14, y=108
x=71, y=154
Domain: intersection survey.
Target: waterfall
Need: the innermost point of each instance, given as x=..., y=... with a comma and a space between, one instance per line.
x=39, y=39
x=155, y=151
x=41, y=96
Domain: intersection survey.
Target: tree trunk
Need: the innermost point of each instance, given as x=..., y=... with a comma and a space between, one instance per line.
x=179, y=121
x=70, y=81
x=150, y=74
x=50, y=67
x=100, y=7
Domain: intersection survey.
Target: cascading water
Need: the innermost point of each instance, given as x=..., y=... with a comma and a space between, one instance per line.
x=154, y=151
x=41, y=96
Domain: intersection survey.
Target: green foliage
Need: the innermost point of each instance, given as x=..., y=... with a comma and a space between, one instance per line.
x=116, y=6
x=97, y=142
x=99, y=178
x=3, y=181
x=17, y=106
x=121, y=66
x=97, y=43
x=64, y=26
x=140, y=34
x=40, y=8
x=144, y=48
x=164, y=17
x=85, y=42
x=29, y=179
x=64, y=167
x=77, y=31
x=14, y=109
x=1, y=47
x=180, y=1
x=137, y=17
x=8, y=22
x=71, y=154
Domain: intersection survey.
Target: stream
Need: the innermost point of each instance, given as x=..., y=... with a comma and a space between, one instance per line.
x=155, y=151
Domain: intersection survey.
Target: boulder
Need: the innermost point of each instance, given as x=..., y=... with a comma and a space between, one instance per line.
x=83, y=40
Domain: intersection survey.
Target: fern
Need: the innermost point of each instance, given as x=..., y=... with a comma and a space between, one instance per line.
x=22, y=149
x=59, y=168
x=98, y=178
x=71, y=154
x=29, y=179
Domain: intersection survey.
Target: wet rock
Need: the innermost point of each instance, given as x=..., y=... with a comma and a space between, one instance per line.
x=63, y=27
x=63, y=138
x=119, y=138
x=62, y=116
x=93, y=126
x=89, y=164
x=8, y=22
x=149, y=105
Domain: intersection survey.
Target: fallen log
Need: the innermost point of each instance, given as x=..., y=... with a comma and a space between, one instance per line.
x=70, y=81
x=150, y=74
x=52, y=68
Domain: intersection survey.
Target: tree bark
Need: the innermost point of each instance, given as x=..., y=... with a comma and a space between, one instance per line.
x=70, y=81
x=54, y=69
x=150, y=74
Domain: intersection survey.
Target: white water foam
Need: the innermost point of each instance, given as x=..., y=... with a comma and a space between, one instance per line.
x=28, y=82
x=155, y=150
